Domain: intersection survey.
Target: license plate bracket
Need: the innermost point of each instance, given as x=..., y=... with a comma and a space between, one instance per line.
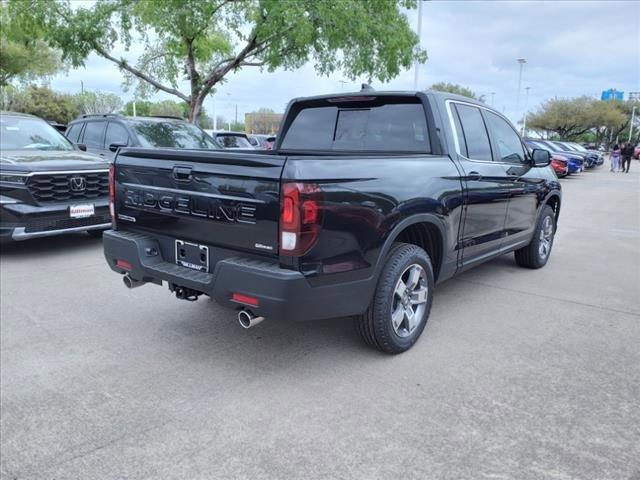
x=192, y=255
x=84, y=210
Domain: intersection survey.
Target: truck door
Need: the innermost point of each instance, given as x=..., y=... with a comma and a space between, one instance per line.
x=487, y=189
x=523, y=181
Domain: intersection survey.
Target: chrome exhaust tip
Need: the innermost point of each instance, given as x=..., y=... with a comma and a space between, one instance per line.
x=132, y=282
x=247, y=319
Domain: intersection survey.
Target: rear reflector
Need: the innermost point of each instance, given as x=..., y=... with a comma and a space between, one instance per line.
x=123, y=264
x=238, y=297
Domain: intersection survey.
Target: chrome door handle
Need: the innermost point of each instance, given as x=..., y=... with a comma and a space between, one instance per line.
x=474, y=176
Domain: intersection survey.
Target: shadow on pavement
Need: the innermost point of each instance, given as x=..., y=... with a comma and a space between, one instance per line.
x=59, y=244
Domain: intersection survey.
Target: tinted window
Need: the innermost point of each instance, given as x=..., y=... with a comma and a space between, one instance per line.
x=73, y=132
x=389, y=127
x=475, y=133
x=539, y=145
x=171, y=134
x=459, y=134
x=233, y=141
x=116, y=133
x=94, y=134
x=507, y=140
x=551, y=146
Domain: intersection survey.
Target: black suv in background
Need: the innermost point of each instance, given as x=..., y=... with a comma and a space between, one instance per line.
x=48, y=186
x=103, y=134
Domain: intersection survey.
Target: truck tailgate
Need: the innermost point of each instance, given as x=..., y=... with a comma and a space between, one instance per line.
x=207, y=197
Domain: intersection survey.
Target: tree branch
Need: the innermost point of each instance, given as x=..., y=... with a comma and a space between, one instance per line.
x=138, y=73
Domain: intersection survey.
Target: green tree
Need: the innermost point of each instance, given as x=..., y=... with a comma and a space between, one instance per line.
x=570, y=118
x=457, y=89
x=206, y=122
x=143, y=108
x=45, y=103
x=23, y=55
x=97, y=102
x=169, y=108
x=202, y=41
x=237, y=126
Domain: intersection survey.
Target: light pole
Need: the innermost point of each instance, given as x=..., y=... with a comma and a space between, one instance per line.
x=633, y=118
x=493, y=94
x=215, y=114
x=415, y=73
x=521, y=61
x=526, y=104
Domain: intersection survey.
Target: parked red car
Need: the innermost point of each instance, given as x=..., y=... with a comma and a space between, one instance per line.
x=559, y=166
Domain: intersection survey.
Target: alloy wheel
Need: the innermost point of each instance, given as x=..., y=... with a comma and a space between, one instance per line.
x=546, y=238
x=409, y=300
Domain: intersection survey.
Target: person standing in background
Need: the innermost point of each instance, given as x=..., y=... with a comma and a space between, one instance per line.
x=627, y=153
x=615, y=158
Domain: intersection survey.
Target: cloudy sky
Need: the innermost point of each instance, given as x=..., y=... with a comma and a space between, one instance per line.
x=572, y=48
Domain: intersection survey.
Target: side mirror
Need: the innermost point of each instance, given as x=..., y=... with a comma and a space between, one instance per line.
x=115, y=146
x=81, y=146
x=541, y=158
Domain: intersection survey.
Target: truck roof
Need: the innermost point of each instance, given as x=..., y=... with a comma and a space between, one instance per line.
x=389, y=93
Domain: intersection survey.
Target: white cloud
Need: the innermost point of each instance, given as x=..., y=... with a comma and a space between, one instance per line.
x=572, y=48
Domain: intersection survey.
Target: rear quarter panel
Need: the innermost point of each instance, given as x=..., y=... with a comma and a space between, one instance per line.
x=366, y=198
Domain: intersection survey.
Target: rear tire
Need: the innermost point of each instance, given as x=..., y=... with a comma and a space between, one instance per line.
x=537, y=253
x=402, y=301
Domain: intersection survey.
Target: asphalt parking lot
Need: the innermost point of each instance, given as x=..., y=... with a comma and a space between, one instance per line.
x=519, y=374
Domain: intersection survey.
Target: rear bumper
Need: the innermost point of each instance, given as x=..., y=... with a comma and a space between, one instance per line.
x=282, y=294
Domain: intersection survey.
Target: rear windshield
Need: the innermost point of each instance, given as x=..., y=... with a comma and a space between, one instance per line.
x=392, y=127
x=171, y=134
x=233, y=141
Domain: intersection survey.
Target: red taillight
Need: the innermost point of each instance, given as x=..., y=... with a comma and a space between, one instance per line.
x=238, y=297
x=300, y=217
x=112, y=193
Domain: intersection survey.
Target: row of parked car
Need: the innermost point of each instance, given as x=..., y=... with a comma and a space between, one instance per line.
x=567, y=158
x=54, y=178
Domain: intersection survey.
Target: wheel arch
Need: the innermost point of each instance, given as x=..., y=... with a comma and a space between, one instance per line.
x=424, y=230
x=554, y=200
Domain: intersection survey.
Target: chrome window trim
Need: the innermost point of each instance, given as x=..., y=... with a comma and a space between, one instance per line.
x=452, y=124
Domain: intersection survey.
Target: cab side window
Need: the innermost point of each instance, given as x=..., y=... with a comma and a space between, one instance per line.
x=94, y=134
x=507, y=140
x=73, y=132
x=476, y=137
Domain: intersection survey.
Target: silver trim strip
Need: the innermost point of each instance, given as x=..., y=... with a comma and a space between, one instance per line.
x=61, y=172
x=20, y=234
x=191, y=192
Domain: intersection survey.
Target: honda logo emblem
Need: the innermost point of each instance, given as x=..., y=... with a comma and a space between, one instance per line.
x=78, y=184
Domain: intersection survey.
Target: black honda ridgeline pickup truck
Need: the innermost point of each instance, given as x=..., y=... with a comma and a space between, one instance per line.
x=366, y=202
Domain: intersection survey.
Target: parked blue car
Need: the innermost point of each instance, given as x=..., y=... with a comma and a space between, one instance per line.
x=587, y=160
x=594, y=157
x=575, y=163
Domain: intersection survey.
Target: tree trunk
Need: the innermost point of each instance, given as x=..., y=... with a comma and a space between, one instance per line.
x=195, y=106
